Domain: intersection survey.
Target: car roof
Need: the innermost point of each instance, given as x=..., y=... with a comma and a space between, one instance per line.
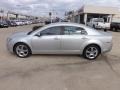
x=64, y=23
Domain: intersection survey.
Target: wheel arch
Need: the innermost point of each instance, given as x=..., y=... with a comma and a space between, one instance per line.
x=93, y=44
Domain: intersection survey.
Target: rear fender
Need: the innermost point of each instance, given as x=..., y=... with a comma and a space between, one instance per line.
x=90, y=42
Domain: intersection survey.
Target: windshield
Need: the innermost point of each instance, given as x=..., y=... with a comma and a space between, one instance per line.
x=34, y=29
x=98, y=20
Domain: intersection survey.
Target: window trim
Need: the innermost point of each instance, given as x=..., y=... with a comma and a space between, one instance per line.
x=53, y=27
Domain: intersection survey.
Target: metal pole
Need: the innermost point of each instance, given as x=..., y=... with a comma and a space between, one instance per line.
x=50, y=14
x=85, y=18
x=1, y=15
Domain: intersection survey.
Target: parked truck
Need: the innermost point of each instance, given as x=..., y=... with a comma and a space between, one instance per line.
x=115, y=25
x=98, y=23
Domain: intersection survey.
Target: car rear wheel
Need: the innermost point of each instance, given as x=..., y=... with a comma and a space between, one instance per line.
x=94, y=26
x=91, y=52
x=114, y=29
x=22, y=50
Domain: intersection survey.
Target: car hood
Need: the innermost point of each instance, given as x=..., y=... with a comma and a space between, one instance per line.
x=19, y=34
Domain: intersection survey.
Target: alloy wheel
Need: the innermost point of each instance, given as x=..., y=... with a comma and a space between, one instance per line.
x=22, y=50
x=92, y=52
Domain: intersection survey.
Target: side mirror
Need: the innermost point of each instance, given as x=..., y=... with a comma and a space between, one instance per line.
x=37, y=35
x=83, y=32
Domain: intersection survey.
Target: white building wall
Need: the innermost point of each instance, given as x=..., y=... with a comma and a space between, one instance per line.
x=116, y=18
x=100, y=9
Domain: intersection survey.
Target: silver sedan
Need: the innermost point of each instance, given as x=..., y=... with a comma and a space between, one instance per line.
x=61, y=38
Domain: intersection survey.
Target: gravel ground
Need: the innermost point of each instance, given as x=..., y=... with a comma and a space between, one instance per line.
x=58, y=72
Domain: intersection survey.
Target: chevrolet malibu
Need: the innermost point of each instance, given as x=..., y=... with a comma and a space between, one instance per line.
x=61, y=38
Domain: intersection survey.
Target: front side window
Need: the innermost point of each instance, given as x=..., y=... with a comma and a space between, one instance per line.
x=51, y=31
x=72, y=30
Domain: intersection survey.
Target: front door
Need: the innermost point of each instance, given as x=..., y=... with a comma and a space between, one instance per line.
x=48, y=42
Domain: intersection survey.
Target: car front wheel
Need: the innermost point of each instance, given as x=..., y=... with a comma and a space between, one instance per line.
x=91, y=52
x=22, y=50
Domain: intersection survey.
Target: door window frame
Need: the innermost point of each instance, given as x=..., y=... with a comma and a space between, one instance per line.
x=82, y=29
x=50, y=28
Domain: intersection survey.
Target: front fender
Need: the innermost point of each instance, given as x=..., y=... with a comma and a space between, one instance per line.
x=25, y=40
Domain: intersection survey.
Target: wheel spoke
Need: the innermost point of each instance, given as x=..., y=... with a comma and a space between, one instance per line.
x=88, y=52
x=95, y=51
x=25, y=50
x=19, y=48
x=22, y=47
x=92, y=49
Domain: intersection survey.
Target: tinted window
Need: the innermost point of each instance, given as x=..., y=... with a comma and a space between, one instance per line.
x=51, y=31
x=71, y=30
x=32, y=31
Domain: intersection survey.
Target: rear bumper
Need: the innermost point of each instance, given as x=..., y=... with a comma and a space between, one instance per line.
x=103, y=27
x=107, y=48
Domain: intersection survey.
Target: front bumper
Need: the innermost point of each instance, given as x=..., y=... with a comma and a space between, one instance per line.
x=9, y=46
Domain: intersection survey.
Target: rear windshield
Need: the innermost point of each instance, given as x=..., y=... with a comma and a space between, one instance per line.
x=98, y=20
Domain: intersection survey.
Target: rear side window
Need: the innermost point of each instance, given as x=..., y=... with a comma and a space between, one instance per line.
x=72, y=30
x=52, y=31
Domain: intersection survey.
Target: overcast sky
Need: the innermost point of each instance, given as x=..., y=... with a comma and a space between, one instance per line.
x=42, y=7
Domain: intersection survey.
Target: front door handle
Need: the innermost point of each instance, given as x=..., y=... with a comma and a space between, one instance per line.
x=56, y=38
x=84, y=38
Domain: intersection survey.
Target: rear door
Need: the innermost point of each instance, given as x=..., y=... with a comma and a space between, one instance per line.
x=72, y=39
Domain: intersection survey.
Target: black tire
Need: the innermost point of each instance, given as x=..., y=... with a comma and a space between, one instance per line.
x=105, y=30
x=25, y=47
x=94, y=26
x=114, y=29
x=96, y=52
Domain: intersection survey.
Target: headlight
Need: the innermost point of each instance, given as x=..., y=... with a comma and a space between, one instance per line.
x=9, y=39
